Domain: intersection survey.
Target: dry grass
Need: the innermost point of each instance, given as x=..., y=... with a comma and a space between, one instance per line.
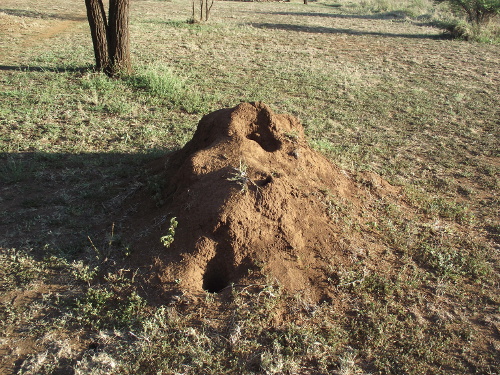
x=377, y=88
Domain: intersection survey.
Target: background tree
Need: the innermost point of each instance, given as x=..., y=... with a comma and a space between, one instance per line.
x=110, y=36
x=205, y=8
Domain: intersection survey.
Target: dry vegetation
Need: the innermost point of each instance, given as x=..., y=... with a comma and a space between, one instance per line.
x=377, y=87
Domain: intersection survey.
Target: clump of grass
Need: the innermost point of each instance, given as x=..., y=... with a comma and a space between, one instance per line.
x=454, y=255
x=402, y=8
x=100, y=91
x=438, y=245
x=460, y=29
x=159, y=80
x=440, y=206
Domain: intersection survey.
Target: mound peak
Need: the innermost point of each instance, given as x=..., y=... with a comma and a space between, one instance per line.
x=251, y=198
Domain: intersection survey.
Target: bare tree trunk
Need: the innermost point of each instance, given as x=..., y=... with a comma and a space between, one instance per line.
x=98, y=29
x=111, y=38
x=119, y=36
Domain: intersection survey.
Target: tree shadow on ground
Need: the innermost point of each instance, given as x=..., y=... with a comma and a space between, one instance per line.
x=41, y=15
x=51, y=203
x=377, y=16
x=62, y=69
x=329, y=30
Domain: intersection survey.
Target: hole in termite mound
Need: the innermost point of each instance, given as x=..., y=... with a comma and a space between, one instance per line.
x=267, y=142
x=262, y=133
x=215, y=278
x=264, y=181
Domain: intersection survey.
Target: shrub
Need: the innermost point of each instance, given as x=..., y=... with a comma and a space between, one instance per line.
x=477, y=12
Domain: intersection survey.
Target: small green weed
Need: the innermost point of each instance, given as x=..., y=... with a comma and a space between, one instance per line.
x=168, y=239
x=82, y=271
x=18, y=269
x=240, y=176
x=453, y=255
x=114, y=248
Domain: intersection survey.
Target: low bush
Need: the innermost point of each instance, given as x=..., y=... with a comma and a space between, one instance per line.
x=477, y=12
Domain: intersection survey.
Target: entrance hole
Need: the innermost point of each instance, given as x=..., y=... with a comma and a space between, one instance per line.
x=215, y=278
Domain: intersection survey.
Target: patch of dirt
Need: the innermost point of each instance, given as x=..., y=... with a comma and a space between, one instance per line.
x=20, y=31
x=252, y=198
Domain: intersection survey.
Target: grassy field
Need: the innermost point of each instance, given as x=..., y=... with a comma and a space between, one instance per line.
x=377, y=87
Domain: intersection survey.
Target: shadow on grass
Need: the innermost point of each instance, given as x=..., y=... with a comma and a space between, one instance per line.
x=41, y=15
x=329, y=30
x=51, y=202
x=28, y=68
x=377, y=16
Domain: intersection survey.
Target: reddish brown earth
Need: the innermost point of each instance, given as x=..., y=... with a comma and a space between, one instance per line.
x=252, y=198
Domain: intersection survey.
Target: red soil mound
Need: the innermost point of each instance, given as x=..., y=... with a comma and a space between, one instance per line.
x=252, y=198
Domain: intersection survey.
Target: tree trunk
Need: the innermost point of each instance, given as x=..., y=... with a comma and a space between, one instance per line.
x=111, y=39
x=119, y=36
x=98, y=29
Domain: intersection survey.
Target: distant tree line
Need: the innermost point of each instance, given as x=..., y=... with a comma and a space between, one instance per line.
x=204, y=6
